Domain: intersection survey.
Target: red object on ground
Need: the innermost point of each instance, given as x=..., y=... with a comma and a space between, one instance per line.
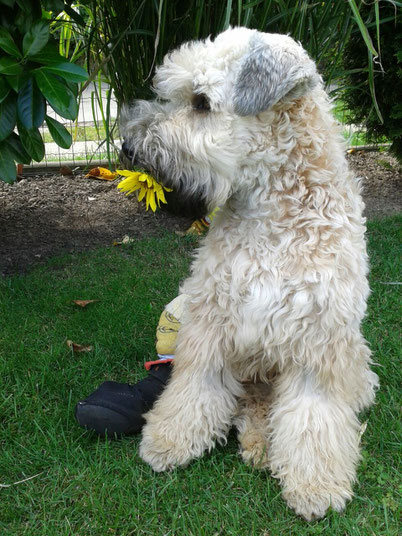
x=148, y=364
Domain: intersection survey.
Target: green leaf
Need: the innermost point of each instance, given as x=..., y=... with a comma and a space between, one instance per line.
x=48, y=55
x=32, y=142
x=36, y=38
x=54, y=5
x=60, y=98
x=8, y=169
x=26, y=14
x=15, y=148
x=8, y=116
x=31, y=105
x=68, y=71
x=73, y=87
x=16, y=82
x=8, y=3
x=59, y=133
x=7, y=43
x=4, y=89
x=10, y=66
x=362, y=27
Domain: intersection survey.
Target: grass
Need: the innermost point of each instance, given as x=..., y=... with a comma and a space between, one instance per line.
x=83, y=133
x=90, y=159
x=80, y=133
x=353, y=134
x=85, y=486
x=354, y=137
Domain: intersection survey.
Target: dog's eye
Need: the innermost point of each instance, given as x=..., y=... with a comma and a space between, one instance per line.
x=200, y=103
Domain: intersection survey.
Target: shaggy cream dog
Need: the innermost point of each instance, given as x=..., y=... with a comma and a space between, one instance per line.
x=278, y=289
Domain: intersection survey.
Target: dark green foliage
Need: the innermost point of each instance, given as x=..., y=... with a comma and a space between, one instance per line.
x=388, y=83
x=134, y=39
x=33, y=75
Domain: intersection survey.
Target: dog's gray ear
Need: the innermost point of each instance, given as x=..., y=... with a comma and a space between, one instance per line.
x=268, y=74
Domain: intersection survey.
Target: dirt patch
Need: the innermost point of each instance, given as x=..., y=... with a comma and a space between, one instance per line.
x=42, y=216
x=382, y=182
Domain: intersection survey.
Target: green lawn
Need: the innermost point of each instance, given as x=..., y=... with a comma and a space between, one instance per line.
x=85, y=486
x=353, y=134
x=81, y=133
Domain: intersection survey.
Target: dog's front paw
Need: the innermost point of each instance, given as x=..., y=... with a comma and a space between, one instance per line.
x=161, y=453
x=312, y=503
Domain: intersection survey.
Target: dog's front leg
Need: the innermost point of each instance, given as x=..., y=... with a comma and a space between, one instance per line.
x=314, y=442
x=196, y=407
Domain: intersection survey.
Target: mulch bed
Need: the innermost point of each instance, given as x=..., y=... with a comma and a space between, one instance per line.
x=43, y=216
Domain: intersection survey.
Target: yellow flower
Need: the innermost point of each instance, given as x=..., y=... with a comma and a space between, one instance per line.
x=148, y=187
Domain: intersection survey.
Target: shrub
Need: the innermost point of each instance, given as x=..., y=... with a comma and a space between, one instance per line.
x=387, y=82
x=33, y=75
x=134, y=39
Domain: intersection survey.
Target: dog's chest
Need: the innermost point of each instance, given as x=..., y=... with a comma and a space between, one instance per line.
x=252, y=287
x=243, y=279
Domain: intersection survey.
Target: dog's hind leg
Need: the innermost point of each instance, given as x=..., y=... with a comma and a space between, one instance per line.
x=251, y=422
x=197, y=407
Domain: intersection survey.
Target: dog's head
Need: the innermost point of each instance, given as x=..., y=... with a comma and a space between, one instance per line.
x=211, y=114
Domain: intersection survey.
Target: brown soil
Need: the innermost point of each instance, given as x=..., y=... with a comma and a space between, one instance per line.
x=42, y=216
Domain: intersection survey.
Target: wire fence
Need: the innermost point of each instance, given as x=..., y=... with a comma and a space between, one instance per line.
x=92, y=143
x=98, y=112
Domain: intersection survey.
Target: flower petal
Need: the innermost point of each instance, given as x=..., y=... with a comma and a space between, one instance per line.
x=129, y=185
x=157, y=187
x=142, y=193
x=161, y=197
x=152, y=202
x=126, y=172
x=148, y=187
x=132, y=190
x=143, y=177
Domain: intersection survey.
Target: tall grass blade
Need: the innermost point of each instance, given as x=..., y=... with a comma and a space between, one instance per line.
x=228, y=13
x=362, y=27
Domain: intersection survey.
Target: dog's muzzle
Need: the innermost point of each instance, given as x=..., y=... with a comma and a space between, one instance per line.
x=127, y=151
x=177, y=203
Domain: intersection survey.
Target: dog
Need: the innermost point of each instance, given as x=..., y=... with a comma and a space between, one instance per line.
x=271, y=338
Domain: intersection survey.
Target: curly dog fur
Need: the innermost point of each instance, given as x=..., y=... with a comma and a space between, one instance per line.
x=279, y=283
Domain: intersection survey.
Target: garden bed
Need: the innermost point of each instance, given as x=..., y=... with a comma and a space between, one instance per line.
x=42, y=216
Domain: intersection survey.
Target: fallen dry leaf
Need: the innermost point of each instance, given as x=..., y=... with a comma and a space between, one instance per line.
x=84, y=303
x=78, y=347
x=102, y=174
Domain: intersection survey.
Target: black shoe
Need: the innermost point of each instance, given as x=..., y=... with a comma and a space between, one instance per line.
x=117, y=408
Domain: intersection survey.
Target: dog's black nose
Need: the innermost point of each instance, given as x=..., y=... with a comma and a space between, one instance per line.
x=127, y=150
